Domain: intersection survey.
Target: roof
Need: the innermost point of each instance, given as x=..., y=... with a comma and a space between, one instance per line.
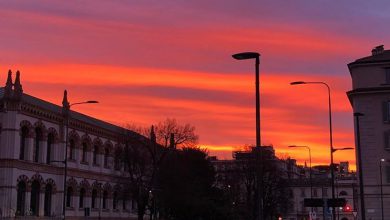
x=74, y=115
x=378, y=58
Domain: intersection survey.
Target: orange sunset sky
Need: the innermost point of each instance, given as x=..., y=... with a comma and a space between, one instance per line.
x=148, y=60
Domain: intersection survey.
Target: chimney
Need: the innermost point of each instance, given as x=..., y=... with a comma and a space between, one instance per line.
x=377, y=50
x=17, y=86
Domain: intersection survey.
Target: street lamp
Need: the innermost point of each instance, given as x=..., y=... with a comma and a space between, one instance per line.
x=256, y=56
x=381, y=181
x=360, y=168
x=330, y=133
x=65, y=161
x=310, y=171
x=253, y=55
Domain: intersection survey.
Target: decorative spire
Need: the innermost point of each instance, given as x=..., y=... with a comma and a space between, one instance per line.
x=172, y=141
x=17, y=86
x=65, y=103
x=152, y=135
x=8, y=85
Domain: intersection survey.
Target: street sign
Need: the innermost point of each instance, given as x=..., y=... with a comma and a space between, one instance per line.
x=313, y=202
x=339, y=202
x=354, y=214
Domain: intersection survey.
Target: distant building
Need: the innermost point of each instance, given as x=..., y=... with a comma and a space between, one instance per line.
x=370, y=95
x=32, y=148
x=298, y=179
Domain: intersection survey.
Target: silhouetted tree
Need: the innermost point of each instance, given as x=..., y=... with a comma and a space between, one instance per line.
x=187, y=190
x=261, y=177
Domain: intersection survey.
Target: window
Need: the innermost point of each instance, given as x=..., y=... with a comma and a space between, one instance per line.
x=72, y=149
x=81, y=198
x=23, y=142
x=38, y=138
x=114, y=200
x=315, y=193
x=387, y=73
x=94, y=196
x=69, y=194
x=388, y=174
x=124, y=203
x=84, y=154
x=324, y=192
x=343, y=193
x=387, y=140
x=21, y=199
x=303, y=194
x=386, y=111
x=105, y=195
x=95, y=154
x=35, y=192
x=106, y=155
x=117, y=159
x=48, y=193
x=50, y=140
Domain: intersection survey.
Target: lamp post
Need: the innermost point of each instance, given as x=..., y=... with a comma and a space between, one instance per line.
x=256, y=56
x=330, y=133
x=65, y=161
x=381, y=182
x=360, y=168
x=310, y=171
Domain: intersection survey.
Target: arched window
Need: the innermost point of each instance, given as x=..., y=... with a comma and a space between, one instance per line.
x=117, y=159
x=95, y=154
x=124, y=204
x=48, y=194
x=72, y=149
x=106, y=155
x=94, y=198
x=69, y=195
x=50, y=140
x=34, y=204
x=21, y=199
x=114, y=200
x=84, y=154
x=23, y=142
x=38, y=138
x=82, y=196
x=105, y=195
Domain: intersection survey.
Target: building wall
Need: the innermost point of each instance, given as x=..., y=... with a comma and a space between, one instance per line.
x=368, y=96
x=17, y=114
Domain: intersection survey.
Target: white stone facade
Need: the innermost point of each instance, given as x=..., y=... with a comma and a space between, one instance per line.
x=32, y=144
x=370, y=95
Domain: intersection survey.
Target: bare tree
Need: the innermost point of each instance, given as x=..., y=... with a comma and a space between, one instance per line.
x=184, y=135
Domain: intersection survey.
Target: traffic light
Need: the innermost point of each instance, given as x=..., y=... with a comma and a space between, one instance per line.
x=347, y=208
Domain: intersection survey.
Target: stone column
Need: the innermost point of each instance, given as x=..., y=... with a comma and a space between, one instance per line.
x=29, y=148
x=41, y=207
x=28, y=202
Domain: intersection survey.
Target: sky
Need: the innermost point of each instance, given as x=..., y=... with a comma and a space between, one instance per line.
x=149, y=60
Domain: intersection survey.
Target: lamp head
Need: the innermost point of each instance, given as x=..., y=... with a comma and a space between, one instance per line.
x=297, y=83
x=358, y=114
x=92, y=101
x=246, y=55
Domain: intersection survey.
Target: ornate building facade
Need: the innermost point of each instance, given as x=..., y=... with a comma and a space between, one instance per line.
x=32, y=152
